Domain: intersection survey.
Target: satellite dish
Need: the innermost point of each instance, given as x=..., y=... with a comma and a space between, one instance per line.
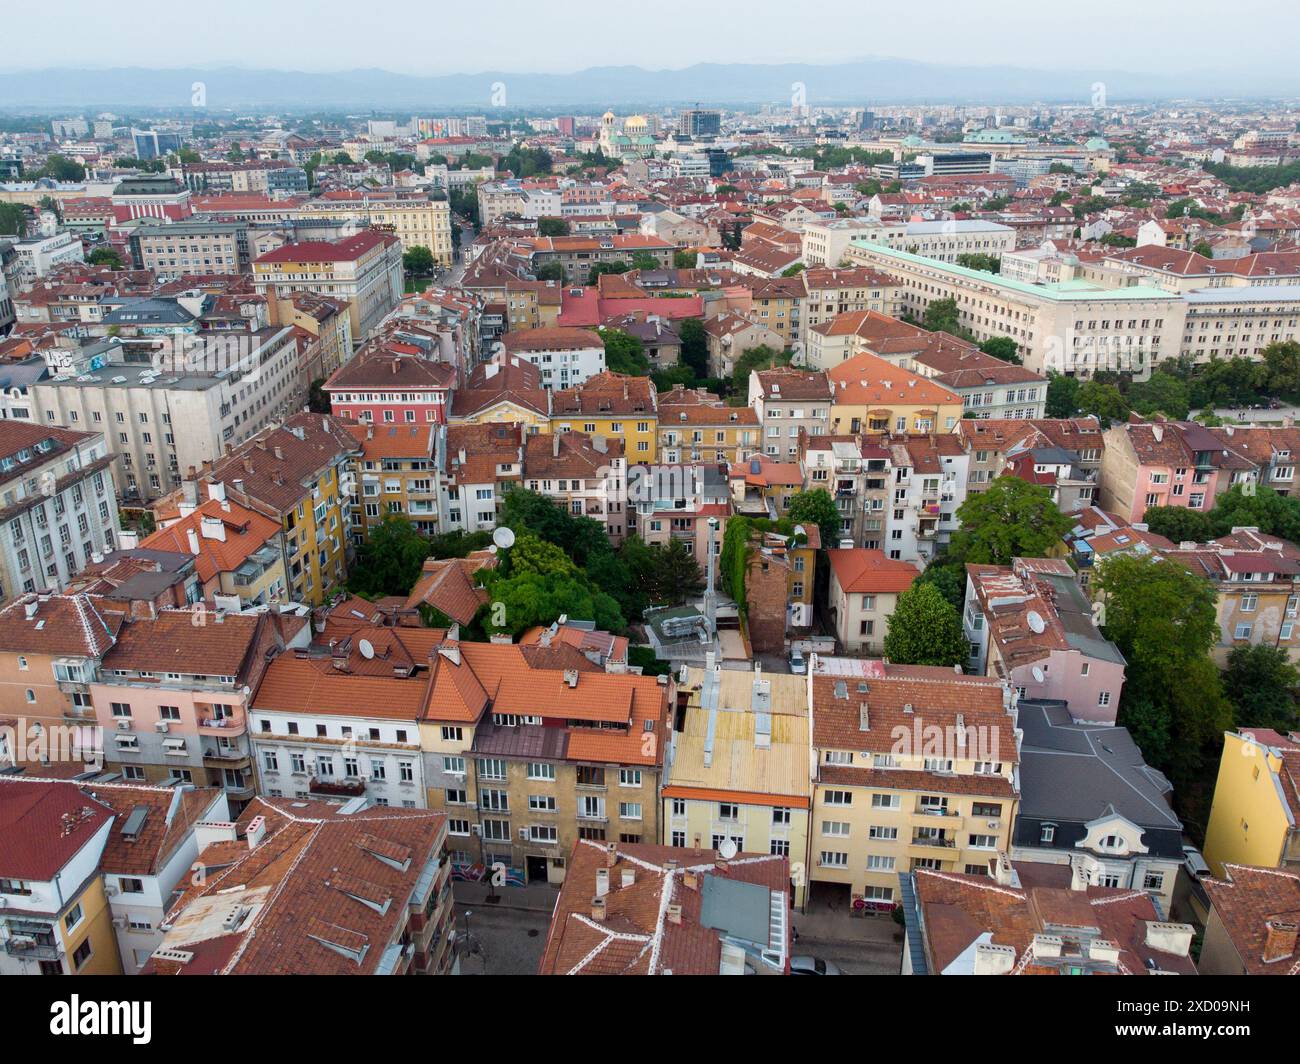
x=727, y=849
x=504, y=538
x=1038, y=674
x=1036, y=623
x=367, y=649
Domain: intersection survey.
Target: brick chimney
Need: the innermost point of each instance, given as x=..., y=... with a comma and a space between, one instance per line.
x=598, y=910
x=1280, y=940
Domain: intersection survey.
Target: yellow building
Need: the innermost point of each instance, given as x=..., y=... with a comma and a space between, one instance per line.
x=875, y=396
x=738, y=768
x=416, y=219
x=294, y=473
x=1253, y=820
x=915, y=768
x=612, y=404
x=395, y=473
x=697, y=426
x=503, y=393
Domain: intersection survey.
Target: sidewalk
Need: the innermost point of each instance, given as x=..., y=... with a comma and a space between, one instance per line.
x=536, y=897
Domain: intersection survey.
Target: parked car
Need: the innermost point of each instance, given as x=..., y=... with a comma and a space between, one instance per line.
x=812, y=966
x=798, y=663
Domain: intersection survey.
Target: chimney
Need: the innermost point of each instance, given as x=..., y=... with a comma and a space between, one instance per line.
x=628, y=877
x=674, y=914
x=602, y=882
x=217, y=491
x=1170, y=938
x=1280, y=940
x=994, y=960
x=194, y=541
x=1003, y=872
x=30, y=608
x=128, y=540
x=611, y=854
x=207, y=832
x=256, y=831
x=213, y=528
x=598, y=910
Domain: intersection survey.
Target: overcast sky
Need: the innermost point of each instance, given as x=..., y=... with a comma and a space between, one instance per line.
x=524, y=36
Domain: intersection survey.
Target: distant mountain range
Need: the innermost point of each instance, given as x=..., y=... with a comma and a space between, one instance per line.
x=865, y=82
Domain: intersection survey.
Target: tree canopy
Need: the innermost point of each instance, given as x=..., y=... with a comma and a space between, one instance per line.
x=1010, y=519
x=925, y=629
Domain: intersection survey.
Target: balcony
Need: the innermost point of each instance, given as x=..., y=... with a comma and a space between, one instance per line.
x=337, y=788
x=226, y=755
x=936, y=818
x=212, y=724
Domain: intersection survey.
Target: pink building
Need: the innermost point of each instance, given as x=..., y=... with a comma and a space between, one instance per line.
x=1032, y=625
x=392, y=386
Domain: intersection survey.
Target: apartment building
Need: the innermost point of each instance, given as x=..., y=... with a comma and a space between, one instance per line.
x=58, y=509
x=612, y=405
x=1063, y=453
x=855, y=472
x=327, y=890
x=864, y=591
x=509, y=392
x=831, y=292
x=1031, y=625
x=1074, y=327
x=295, y=474
x=1168, y=463
x=531, y=748
x=916, y=768
x=928, y=486
x=677, y=502
x=477, y=465
x=1250, y=930
x=642, y=909
x=790, y=402
x=777, y=303
x=190, y=247
x=564, y=357
x=1091, y=809
x=1256, y=809
x=578, y=254
x=365, y=270
x=1014, y=923
x=585, y=475
x=697, y=426
x=729, y=334
x=163, y=421
x=874, y=396
x=396, y=473
x=172, y=696
x=387, y=387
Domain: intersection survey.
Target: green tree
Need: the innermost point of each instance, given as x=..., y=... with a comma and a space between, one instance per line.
x=1203, y=249
x=1062, y=395
x=1282, y=369
x=418, y=261
x=925, y=629
x=942, y=315
x=1162, y=393
x=552, y=271
x=643, y=260
x=106, y=257
x=1003, y=347
x=317, y=401
x=624, y=353
x=1011, y=519
x=1260, y=683
x=1104, y=400
x=695, y=346
x=816, y=507
x=676, y=574
x=760, y=357
x=979, y=261
x=61, y=168
x=1178, y=523
x=684, y=260
x=389, y=561
x=552, y=227
x=1256, y=506
x=949, y=576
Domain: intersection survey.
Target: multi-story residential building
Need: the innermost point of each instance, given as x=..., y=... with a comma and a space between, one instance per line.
x=145, y=856
x=585, y=475
x=1256, y=579
x=641, y=909
x=1256, y=809
x=396, y=472
x=165, y=421
x=729, y=335
x=529, y=749
x=1168, y=463
x=365, y=270
x=181, y=248
x=578, y=254
x=736, y=769
x=763, y=486
x=928, y=486
x=1092, y=809
x=416, y=218
x=790, y=401
x=668, y=502
x=612, y=405
x=37, y=256
x=510, y=392
x=1274, y=450
x=856, y=472
x=1014, y=923
x=238, y=554
x=477, y=465
x=392, y=387
x=1074, y=327
x=294, y=474
x=58, y=509
x=1032, y=626
x=565, y=358
x=697, y=426
x=864, y=591
x=333, y=891
x=777, y=304
x=832, y=292
x=916, y=768
x=875, y=396
x=174, y=691
x=1251, y=928
x=342, y=721
x=1071, y=447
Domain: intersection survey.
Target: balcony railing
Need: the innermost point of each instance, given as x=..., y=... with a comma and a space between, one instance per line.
x=345, y=788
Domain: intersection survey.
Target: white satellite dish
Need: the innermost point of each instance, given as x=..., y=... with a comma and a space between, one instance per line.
x=727, y=849
x=1036, y=623
x=1038, y=674
x=367, y=649
x=504, y=538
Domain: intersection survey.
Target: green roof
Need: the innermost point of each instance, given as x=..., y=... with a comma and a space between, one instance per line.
x=1065, y=290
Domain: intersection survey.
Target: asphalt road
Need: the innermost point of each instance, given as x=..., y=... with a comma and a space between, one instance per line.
x=504, y=941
